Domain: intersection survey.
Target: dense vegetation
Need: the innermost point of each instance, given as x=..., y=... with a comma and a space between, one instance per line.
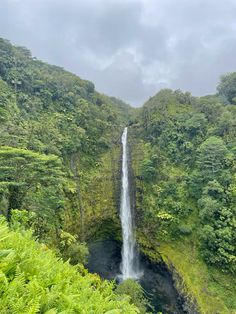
x=59, y=176
x=198, y=139
x=58, y=158
x=34, y=281
x=185, y=166
x=134, y=290
x=54, y=131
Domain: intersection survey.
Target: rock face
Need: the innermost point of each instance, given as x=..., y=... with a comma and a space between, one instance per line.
x=157, y=280
x=104, y=259
x=189, y=303
x=158, y=283
x=100, y=197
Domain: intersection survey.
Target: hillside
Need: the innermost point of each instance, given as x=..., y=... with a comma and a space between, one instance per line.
x=59, y=158
x=183, y=154
x=33, y=280
x=60, y=177
x=58, y=131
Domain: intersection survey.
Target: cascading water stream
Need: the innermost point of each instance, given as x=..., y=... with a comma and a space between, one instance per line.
x=104, y=259
x=129, y=258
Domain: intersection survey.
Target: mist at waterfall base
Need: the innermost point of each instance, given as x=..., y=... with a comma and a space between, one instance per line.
x=110, y=261
x=105, y=259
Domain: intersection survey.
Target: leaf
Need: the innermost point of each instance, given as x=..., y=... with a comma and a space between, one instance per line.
x=51, y=311
x=4, y=253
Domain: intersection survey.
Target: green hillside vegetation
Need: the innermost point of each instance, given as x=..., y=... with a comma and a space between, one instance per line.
x=59, y=159
x=55, y=132
x=183, y=152
x=60, y=177
x=33, y=280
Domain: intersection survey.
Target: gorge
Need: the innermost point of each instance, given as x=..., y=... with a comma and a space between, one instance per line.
x=65, y=206
x=108, y=258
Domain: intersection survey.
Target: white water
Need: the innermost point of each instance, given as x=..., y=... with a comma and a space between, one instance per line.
x=128, y=263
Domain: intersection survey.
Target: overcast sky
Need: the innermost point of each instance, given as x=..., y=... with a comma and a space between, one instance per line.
x=129, y=48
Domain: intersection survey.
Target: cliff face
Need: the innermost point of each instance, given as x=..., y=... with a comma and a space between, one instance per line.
x=101, y=198
x=101, y=203
x=97, y=199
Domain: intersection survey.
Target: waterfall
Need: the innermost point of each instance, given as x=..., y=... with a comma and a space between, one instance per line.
x=129, y=258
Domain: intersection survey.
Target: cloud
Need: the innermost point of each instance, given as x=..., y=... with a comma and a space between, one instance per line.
x=129, y=48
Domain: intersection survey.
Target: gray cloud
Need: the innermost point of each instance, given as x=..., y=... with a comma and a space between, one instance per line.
x=129, y=48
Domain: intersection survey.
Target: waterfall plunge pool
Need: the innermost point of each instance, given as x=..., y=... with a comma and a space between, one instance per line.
x=105, y=259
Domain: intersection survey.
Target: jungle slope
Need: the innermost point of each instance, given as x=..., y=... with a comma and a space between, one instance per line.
x=59, y=144
x=59, y=176
x=183, y=156
x=34, y=281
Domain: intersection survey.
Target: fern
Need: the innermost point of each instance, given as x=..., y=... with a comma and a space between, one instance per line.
x=33, y=280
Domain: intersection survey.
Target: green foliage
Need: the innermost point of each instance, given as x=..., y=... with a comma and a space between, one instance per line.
x=28, y=177
x=72, y=250
x=186, y=212
x=34, y=281
x=185, y=229
x=227, y=87
x=58, y=140
x=54, y=131
x=212, y=157
x=213, y=290
x=134, y=290
x=218, y=233
x=190, y=190
x=148, y=170
x=22, y=219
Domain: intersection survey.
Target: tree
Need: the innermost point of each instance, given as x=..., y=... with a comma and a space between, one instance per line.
x=218, y=233
x=215, y=190
x=136, y=293
x=196, y=124
x=227, y=87
x=212, y=157
x=73, y=250
x=148, y=170
x=226, y=125
x=22, y=171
